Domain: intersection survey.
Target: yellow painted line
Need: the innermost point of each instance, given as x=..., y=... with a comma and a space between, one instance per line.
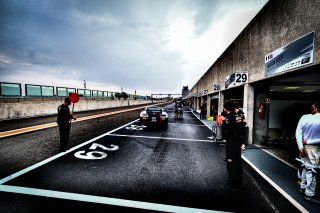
x=48, y=125
x=26, y=129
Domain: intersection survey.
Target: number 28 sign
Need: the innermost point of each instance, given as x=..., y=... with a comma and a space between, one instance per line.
x=236, y=79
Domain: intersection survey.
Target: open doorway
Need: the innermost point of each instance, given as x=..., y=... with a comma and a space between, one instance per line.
x=291, y=96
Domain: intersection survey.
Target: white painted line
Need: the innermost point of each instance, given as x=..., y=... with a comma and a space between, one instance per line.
x=274, y=208
x=151, y=137
x=180, y=124
x=210, y=127
x=121, y=127
x=278, y=188
x=10, y=177
x=90, y=198
x=183, y=118
x=101, y=200
x=174, y=111
x=53, y=124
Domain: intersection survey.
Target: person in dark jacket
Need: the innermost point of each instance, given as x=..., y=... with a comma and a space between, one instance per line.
x=224, y=114
x=64, y=123
x=241, y=121
x=233, y=149
x=203, y=111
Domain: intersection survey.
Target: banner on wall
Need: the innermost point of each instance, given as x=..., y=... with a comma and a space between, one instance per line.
x=296, y=54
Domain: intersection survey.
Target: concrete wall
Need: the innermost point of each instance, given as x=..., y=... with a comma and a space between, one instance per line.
x=280, y=22
x=31, y=107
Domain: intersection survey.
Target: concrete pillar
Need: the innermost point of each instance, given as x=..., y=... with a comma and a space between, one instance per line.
x=221, y=101
x=248, y=109
x=208, y=106
x=196, y=103
x=200, y=102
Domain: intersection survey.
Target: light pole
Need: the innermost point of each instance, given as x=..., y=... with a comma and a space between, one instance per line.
x=84, y=84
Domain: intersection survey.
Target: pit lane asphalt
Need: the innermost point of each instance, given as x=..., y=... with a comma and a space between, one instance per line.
x=20, y=151
x=177, y=166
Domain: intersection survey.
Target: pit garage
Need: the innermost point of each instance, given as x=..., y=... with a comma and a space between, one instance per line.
x=235, y=94
x=279, y=104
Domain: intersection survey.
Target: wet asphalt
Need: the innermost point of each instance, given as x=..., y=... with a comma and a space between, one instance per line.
x=178, y=165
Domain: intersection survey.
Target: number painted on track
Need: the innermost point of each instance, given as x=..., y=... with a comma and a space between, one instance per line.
x=135, y=127
x=92, y=155
x=95, y=145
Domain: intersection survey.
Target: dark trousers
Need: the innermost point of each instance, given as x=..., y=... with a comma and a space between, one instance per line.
x=64, y=130
x=235, y=171
x=202, y=115
x=234, y=164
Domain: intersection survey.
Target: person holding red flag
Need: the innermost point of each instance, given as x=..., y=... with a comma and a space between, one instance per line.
x=64, y=123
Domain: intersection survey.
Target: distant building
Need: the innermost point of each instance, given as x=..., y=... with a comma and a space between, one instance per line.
x=185, y=91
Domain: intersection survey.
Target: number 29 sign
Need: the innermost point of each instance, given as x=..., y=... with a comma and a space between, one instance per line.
x=95, y=155
x=236, y=79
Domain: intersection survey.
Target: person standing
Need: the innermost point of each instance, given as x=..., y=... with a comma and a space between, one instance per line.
x=233, y=149
x=213, y=112
x=175, y=109
x=308, y=140
x=202, y=111
x=180, y=110
x=64, y=123
x=241, y=121
x=223, y=116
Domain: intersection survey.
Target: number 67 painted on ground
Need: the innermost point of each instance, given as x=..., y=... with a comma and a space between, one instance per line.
x=89, y=156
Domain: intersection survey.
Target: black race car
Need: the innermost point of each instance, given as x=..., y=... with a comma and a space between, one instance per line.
x=154, y=115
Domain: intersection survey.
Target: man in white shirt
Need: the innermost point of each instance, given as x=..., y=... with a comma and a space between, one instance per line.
x=308, y=140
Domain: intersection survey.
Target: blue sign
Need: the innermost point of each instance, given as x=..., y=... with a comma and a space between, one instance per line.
x=296, y=54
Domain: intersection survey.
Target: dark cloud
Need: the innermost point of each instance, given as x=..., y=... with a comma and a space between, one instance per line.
x=104, y=41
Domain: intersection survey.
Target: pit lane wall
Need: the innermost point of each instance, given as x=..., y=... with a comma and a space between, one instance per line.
x=278, y=24
x=14, y=108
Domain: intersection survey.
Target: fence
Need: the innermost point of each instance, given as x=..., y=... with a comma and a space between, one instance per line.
x=39, y=90
x=32, y=90
x=10, y=89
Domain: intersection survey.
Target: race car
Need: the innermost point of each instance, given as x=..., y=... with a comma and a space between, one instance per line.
x=154, y=115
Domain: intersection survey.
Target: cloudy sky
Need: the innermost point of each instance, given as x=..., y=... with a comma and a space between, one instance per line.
x=151, y=46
